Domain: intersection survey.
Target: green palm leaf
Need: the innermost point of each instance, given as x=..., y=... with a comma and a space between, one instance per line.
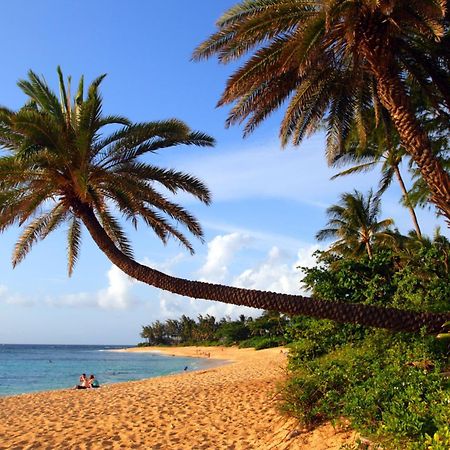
x=73, y=243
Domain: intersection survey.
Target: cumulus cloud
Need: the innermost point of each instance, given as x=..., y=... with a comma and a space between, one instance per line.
x=277, y=270
x=117, y=295
x=272, y=268
x=221, y=251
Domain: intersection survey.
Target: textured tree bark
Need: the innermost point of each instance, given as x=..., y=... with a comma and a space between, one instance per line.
x=407, y=201
x=389, y=318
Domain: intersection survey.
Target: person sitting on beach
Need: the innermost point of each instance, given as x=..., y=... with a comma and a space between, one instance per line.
x=93, y=382
x=83, y=382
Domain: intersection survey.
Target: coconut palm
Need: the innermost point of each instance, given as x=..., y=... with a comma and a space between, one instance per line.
x=62, y=167
x=315, y=56
x=60, y=163
x=354, y=223
x=379, y=146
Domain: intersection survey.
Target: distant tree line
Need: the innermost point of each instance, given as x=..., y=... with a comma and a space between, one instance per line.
x=268, y=330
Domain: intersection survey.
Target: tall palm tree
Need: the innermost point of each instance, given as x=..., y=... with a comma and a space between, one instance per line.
x=315, y=56
x=61, y=167
x=354, y=222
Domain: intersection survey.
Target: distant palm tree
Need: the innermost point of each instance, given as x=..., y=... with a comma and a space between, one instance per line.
x=315, y=56
x=380, y=145
x=354, y=223
x=61, y=167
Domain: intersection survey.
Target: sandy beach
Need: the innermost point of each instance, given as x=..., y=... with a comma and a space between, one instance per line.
x=232, y=406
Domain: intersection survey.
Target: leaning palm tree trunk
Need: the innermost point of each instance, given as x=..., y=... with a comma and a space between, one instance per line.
x=407, y=201
x=390, y=318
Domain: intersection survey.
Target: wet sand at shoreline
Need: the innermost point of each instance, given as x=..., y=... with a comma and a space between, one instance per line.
x=231, y=406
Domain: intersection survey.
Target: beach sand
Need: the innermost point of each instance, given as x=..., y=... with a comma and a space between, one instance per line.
x=229, y=407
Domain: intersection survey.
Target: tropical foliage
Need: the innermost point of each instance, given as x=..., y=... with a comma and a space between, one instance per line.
x=413, y=278
x=265, y=331
x=60, y=159
x=393, y=388
x=331, y=60
x=354, y=222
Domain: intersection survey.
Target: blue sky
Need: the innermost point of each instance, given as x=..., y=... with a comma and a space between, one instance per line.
x=267, y=206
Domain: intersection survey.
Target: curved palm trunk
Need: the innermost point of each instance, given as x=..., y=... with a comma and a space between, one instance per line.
x=390, y=318
x=407, y=201
x=393, y=97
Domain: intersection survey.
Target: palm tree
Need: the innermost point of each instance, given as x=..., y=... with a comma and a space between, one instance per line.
x=380, y=145
x=354, y=222
x=315, y=56
x=61, y=167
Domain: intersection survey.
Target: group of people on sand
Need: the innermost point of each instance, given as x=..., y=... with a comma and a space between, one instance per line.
x=87, y=383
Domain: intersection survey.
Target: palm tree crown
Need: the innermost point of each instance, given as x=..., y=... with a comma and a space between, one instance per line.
x=59, y=157
x=354, y=222
x=325, y=60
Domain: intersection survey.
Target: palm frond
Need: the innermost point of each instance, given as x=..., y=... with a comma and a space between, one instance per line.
x=37, y=89
x=38, y=229
x=73, y=243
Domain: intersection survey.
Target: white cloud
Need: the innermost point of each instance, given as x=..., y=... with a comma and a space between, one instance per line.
x=265, y=171
x=13, y=298
x=264, y=267
x=221, y=251
x=117, y=295
x=276, y=271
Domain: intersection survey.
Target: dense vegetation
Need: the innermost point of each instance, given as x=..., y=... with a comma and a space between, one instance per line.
x=268, y=330
x=394, y=388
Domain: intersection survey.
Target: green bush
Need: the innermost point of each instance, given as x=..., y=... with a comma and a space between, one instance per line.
x=416, y=280
x=261, y=342
x=439, y=441
x=311, y=338
x=389, y=386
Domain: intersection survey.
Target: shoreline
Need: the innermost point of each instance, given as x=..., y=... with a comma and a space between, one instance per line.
x=230, y=406
x=201, y=363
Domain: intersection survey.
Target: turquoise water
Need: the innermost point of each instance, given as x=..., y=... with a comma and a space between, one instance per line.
x=31, y=368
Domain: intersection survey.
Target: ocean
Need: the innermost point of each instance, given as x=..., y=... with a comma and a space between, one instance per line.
x=32, y=368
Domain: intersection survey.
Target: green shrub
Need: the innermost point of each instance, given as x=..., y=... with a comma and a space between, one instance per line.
x=261, y=342
x=311, y=338
x=389, y=386
x=439, y=441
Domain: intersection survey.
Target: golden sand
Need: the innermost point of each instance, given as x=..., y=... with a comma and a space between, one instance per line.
x=229, y=407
